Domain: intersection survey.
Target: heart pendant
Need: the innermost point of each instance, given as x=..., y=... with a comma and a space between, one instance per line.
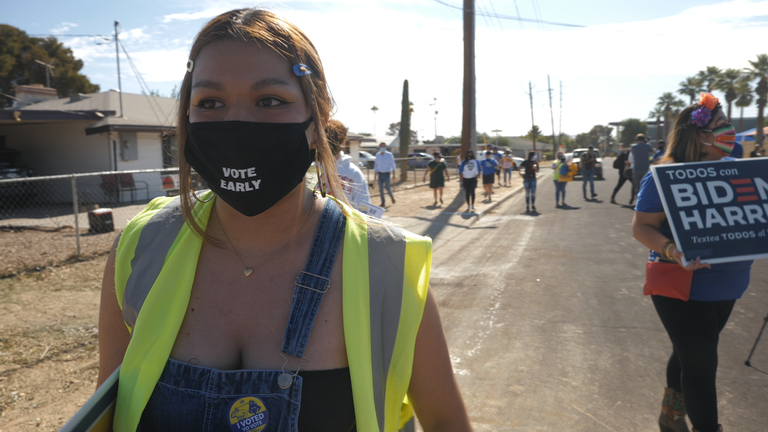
x=248, y=271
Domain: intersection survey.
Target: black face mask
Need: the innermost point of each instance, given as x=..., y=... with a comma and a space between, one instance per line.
x=251, y=166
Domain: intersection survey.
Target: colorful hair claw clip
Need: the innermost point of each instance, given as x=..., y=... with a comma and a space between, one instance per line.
x=301, y=70
x=190, y=65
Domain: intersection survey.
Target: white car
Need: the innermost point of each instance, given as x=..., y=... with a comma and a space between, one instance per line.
x=366, y=159
x=598, y=166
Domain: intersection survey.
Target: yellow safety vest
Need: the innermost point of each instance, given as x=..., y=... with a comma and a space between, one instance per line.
x=385, y=278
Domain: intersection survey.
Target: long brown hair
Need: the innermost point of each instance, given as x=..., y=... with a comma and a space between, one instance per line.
x=261, y=27
x=684, y=144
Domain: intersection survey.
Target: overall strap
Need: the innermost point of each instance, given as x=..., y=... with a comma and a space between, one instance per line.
x=313, y=282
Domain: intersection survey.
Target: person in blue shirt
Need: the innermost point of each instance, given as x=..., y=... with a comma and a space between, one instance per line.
x=488, y=167
x=693, y=301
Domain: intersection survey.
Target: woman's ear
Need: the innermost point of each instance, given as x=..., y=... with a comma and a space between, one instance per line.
x=312, y=137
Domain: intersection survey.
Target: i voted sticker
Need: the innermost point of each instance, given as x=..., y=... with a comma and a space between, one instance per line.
x=248, y=414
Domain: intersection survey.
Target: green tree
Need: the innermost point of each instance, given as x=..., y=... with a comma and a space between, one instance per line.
x=709, y=76
x=744, y=91
x=405, y=136
x=18, y=53
x=758, y=71
x=630, y=128
x=671, y=106
x=691, y=87
x=727, y=82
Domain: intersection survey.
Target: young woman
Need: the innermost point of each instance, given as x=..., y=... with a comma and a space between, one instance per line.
x=438, y=174
x=701, y=133
x=469, y=170
x=528, y=170
x=508, y=165
x=232, y=310
x=556, y=165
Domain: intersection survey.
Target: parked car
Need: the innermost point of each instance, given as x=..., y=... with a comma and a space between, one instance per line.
x=366, y=159
x=419, y=160
x=598, y=166
x=16, y=193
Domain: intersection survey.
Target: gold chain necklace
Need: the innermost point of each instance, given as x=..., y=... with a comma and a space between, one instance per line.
x=249, y=270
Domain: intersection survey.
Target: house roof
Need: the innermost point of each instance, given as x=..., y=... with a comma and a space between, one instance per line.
x=140, y=112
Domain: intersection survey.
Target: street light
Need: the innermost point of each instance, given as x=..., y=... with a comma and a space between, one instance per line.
x=497, y=136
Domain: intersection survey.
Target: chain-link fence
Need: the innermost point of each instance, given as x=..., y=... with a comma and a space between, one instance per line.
x=86, y=204
x=65, y=215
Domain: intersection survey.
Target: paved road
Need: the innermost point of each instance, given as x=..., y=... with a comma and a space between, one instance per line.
x=549, y=329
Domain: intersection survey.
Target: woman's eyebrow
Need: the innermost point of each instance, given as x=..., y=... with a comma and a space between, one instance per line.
x=268, y=82
x=211, y=85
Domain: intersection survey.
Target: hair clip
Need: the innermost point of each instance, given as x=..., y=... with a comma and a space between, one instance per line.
x=301, y=70
x=190, y=65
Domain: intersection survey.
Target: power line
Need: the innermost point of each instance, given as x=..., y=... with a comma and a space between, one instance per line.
x=517, y=11
x=144, y=86
x=494, y=12
x=518, y=18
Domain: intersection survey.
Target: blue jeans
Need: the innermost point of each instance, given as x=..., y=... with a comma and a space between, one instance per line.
x=385, y=181
x=189, y=397
x=530, y=191
x=560, y=192
x=588, y=176
x=507, y=171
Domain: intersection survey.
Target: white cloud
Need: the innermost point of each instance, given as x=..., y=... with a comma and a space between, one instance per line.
x=63, y=28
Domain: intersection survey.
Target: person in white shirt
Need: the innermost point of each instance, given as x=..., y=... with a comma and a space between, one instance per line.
x=383, y=170
x=352, y=179
x=468, y=172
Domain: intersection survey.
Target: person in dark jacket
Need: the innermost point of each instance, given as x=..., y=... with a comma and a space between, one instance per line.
x=620, y=164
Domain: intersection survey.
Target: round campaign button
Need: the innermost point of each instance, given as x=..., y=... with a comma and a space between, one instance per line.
x=248, y=414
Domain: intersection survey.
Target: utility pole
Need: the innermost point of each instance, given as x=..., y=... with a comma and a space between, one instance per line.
x=48, y=67
x=533, y=134
x=434, y=105
x=560, y=118
x=552, y=118
x=468, y=129
x=117, y=55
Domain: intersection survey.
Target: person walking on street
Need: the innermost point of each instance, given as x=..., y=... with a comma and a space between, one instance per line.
x=640, y=155
x=659, y=152
x=620, y=163
x=351, y=177
x=508, y=165
x=384, y=170
x=694, y=301
x=468, y=172
x=488, y=166
x=567, y=172
x=556, y=165
x=588, y=161
x=759, y=151
x=438, y=175
x=528, y=170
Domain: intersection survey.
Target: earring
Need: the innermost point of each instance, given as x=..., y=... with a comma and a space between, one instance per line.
x=320, y=174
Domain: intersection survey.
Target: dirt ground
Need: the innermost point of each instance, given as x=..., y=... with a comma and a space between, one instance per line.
x=49, y=301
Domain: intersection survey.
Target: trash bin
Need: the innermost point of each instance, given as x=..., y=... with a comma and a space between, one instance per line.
x=100, y=221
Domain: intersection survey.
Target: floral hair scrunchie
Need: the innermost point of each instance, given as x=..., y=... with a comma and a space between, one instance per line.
x=702, y=116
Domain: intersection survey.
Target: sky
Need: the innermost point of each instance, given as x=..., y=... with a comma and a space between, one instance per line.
x=614, y=67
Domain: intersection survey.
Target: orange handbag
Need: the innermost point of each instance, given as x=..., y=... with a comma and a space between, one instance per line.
x=667, y=280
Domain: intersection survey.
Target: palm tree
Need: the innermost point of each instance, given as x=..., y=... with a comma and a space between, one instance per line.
x=657, y=113
x=709, y=76
x=744, y=91
x=727, y=82
x=759, y=72
x=691, y=87
x=671, y=106
x=374, y=109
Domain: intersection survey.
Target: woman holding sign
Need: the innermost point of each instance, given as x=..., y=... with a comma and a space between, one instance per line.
x=231, y=311
x=693, y=301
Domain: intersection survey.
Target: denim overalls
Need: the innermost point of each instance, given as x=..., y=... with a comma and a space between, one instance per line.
x=190, y=398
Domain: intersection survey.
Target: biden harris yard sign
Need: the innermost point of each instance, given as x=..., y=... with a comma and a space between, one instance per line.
x=718, y=210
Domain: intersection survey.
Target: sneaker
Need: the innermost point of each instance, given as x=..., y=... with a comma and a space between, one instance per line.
x=563, y=204
x=441, y=200
x=613, y=201
x=393, y=200
x=434, y=204
x=473, y=207
x=533, y=208
x=557, y=205
x=467, y=210
x=594, y=195
x=527, y=209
